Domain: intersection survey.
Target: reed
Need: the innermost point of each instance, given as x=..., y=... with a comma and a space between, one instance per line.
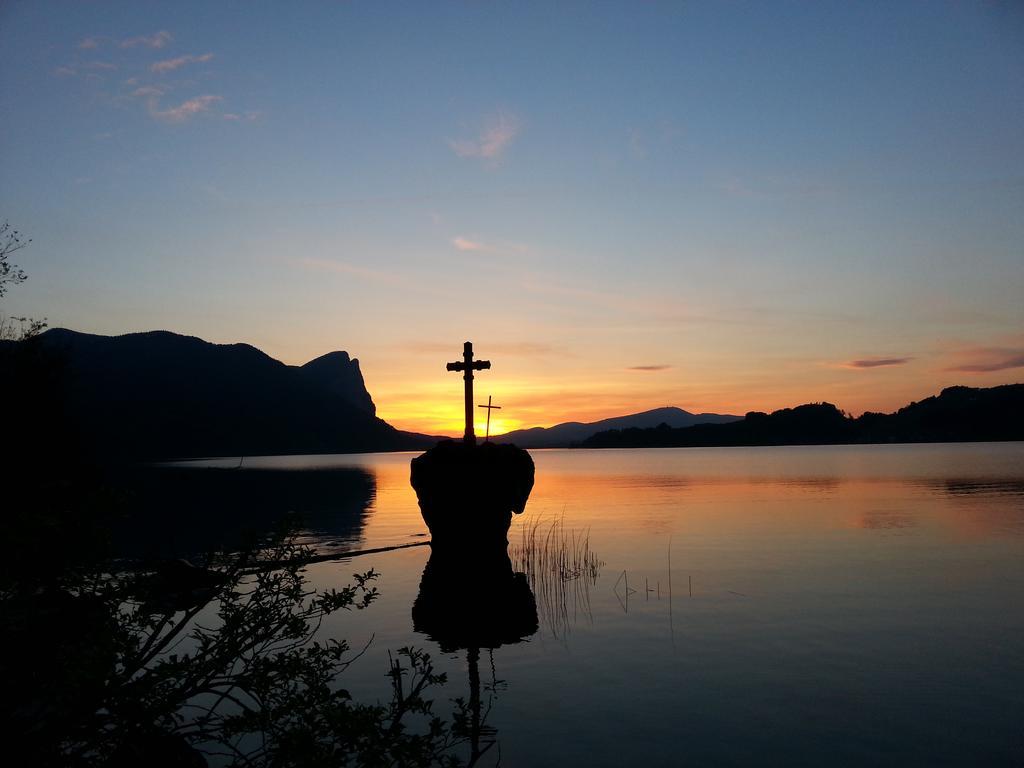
x=560, y=568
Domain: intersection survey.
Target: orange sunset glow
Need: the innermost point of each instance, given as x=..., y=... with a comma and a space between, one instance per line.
x=420, y=396
x=485, y=384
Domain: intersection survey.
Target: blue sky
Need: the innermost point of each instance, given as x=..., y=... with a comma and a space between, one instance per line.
x=721, y=206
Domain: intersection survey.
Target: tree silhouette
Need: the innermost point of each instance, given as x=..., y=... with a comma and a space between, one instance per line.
x=10, y=241
x=14, y=328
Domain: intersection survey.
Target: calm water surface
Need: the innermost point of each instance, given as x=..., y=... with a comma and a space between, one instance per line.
x=805, y=606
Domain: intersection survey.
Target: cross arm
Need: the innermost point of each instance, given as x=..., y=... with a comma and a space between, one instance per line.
x=456, y=366
x=480, y=365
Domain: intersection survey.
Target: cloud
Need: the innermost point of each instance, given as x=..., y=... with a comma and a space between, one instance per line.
x=648, y=368
x=148, y=91
x=525, y=349
x=465, y=244
x=169, y=65
x=498, y=133
x=340, y=267
x=780, y=187
x=875, y=362
x=990, y=360
x=244, y=116
x=156, y=40
x=505, y=348
x=185, y=110
x=87, y=68
x=636, y=145
x=89, y=43
x=658, y=309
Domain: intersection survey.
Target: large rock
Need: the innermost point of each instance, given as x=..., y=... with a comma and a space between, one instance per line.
x=467, y=493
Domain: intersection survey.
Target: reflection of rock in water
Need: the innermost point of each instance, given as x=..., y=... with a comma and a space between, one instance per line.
x=473, y=602
x=467, y=493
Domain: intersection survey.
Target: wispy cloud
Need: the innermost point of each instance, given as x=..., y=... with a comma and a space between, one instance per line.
x=636, y=145
x=88, y=69
x=185, y=110
x=771, y=187
x=498, y=132
x=525, y=349
x=169, y=65
x=243, y=116
x=659, y=309
x=648, y=368
x=875, y=362
x=147, y=91
x=465, y=244
x=156, y=40
x=89, y=43
x=343, y=268
x=505, y=348
x=989, y=360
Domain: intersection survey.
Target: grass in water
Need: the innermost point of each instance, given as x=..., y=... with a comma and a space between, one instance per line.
x=560, y=568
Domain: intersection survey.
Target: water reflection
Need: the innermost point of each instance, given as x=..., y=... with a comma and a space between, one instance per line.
x=993, y=486
x=886, y=519
x=561, y=570
x=178, y=511
x=472, y=601
x=852, y=595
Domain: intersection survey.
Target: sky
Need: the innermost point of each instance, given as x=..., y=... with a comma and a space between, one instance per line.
x=720, y=206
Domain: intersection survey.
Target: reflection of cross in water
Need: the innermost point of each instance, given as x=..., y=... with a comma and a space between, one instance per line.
x=489, y=407
x=468, y=365
x=478, y=732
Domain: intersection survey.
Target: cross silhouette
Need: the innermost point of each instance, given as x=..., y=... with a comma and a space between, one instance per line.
x=489, y=407
x=468, y=365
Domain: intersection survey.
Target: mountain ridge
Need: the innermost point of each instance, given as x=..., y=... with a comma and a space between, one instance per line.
x=158, y=394
x=956, y=414
x=567, y=433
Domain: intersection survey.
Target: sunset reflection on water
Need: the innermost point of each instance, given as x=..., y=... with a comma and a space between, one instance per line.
x=750, y=601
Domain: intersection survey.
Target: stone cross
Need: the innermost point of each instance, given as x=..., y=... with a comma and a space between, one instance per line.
x=468, y=365
x=489, y=407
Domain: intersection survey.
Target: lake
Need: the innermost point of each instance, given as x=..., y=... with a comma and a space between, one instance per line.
x=839, y=605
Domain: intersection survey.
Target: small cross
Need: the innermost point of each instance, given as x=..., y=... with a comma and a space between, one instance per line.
x=489, y=407
x=468, y=365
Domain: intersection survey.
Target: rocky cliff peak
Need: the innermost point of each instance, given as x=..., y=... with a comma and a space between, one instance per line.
x=340, y=374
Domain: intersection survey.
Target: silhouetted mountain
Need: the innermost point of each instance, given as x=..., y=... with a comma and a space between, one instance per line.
x=336, y=373
x=958, y=414
x=160, y=395
x=570, y=432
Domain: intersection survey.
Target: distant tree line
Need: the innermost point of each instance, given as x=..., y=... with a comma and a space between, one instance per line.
x=958, y=414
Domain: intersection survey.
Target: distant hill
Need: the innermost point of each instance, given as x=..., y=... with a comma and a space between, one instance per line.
x=957, y=414
x=160, y=395
x=571, y=432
